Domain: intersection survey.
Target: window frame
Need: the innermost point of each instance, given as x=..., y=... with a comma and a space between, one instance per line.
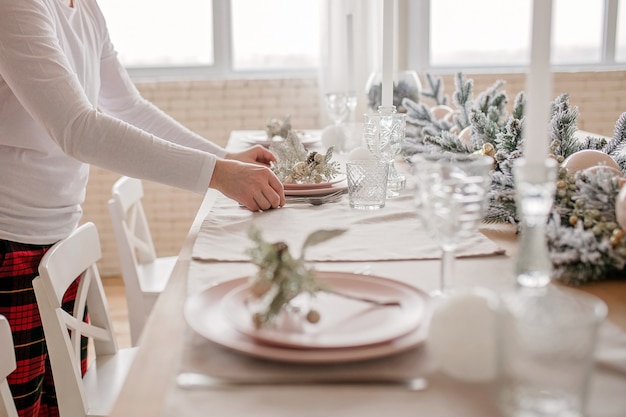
x=419, y=53
x=416, y=27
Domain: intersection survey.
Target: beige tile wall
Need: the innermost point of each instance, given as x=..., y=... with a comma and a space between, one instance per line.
x=213, y=108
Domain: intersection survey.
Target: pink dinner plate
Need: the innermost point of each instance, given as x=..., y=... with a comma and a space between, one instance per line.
x=205, y=315
x=314, y=186
x=344, y=322
x=308, y=191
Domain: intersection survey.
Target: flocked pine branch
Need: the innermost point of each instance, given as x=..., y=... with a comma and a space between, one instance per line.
x=462, y=98
x=435, y=90
x=445, y=142
x=615, y=146
x=563, y=128
x=518, y=105
x=585, y=241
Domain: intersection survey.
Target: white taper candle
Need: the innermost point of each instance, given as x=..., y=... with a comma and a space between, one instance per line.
x=387, y=53
x=539, y=84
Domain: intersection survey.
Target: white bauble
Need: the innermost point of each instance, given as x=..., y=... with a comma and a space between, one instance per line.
x=360, y=153
x=462, y=335
x=620, y=208
x=588, y=158
x=465, y=136
x=441, y=111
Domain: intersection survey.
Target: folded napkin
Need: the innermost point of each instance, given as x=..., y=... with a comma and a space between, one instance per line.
x=392, y=233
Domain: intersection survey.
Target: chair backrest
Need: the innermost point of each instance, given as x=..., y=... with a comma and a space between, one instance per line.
x=70, y=258
x=7, y=365
x=134, y=243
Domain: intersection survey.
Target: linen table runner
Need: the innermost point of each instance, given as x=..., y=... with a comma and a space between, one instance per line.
x=391, y=233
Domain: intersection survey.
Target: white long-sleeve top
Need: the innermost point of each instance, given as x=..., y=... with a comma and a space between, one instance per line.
x=66, y=102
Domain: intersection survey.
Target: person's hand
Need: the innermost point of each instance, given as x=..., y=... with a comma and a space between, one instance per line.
x=254, y=186
x=257, y=154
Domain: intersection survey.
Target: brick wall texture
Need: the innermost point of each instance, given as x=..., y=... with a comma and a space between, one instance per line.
x=213, y=108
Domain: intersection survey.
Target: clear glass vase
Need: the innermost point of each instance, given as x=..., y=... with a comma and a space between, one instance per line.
x=406, y=84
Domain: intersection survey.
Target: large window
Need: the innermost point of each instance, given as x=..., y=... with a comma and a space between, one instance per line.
x=149, y=33
x=275, y=34
x=620, y=53
x=225, y=37
x=481, y=33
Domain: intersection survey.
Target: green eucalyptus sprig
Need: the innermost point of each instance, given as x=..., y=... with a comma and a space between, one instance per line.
x=281, y=276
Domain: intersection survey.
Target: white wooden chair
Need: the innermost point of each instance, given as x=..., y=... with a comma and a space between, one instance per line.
x=145, y=275
x=95, y=393
x=7, y=365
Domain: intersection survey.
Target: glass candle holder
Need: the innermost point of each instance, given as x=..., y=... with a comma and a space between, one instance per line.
x=384, y=133
x=535, y=185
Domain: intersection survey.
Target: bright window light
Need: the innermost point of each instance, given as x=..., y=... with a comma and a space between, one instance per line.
x=497, y=32
x=153, y=33
x=620, y=53
x=275, y=34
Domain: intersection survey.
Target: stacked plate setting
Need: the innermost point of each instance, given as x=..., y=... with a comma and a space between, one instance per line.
x=349, y=329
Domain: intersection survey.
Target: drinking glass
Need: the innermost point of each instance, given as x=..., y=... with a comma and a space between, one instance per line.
x=384, y=133
x=338, y=109
x=450, y=198
x=546, y=340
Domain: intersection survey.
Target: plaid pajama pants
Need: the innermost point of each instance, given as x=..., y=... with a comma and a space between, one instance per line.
x=31, y=383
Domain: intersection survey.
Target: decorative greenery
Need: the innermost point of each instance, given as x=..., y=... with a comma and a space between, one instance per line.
x=281, y=276
x=295, y=165
x=584, y=239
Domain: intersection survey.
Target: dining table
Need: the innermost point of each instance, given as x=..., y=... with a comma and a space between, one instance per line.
x=190, y=331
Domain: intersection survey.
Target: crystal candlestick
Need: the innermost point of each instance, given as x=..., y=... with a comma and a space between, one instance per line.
x=535, y=185
x=384, y=133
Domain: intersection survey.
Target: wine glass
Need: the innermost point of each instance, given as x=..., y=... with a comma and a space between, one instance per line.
x=337, y=107
x=451, y=199
x=384, y=133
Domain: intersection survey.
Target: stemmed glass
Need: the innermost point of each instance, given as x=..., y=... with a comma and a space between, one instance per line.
x=337, y=107
x=384, y=133
x=451, y=199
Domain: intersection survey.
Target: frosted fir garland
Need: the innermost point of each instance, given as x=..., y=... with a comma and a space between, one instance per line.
x=585, y=242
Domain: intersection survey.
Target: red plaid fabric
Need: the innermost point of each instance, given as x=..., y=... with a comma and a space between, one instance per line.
x=31, y=383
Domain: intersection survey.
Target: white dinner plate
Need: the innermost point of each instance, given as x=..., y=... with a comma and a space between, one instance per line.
x=307, y=191
x=311, y=186
x=262, y=139
x=204, y=314
x=343, y=323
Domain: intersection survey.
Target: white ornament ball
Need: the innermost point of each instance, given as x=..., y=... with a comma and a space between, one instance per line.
x=441, y=111
x=462, y=335
x=589, y=158
x=450, y=116
x=465, y=136
x=360, y=153
x=620, y=208
x=333, y=135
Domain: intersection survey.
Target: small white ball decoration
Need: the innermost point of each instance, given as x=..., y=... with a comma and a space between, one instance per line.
x=462, y=335
x=333, y=135
x=588, y=158
x=620, y=208
x=360, y=153
x=465, y=137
